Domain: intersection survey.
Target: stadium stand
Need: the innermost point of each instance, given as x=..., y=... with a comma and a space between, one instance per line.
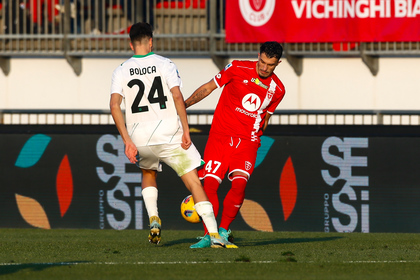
x=183, y=28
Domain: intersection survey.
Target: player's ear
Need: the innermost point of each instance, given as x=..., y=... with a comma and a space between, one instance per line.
x=151, y=43
x=131, y=46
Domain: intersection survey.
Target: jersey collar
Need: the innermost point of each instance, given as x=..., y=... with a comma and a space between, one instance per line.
x=140, y=56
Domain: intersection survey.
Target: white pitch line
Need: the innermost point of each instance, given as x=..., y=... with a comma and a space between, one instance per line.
x=131, y=263
x=400, y=261
x=194, y=262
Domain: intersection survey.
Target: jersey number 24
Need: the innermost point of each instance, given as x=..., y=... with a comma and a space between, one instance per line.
x=151, y=96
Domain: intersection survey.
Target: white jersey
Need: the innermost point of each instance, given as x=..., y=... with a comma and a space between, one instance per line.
x=150, y=113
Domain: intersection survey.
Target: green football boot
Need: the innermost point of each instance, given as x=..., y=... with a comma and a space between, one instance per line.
x=205, y=242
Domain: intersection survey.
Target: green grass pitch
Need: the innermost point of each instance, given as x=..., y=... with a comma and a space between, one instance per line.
x=110, y=254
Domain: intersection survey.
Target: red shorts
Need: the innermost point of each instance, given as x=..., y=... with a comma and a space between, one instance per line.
x=223, y=153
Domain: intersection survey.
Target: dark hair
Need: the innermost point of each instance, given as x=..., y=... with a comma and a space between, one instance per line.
x=272, y=49
x=140, y=31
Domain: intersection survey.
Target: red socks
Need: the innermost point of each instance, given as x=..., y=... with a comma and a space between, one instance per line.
x=233, y=201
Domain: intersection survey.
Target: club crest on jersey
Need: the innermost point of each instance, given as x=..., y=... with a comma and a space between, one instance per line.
x=251, y=102
x=270, y=94
x=258, y=83
x=248, y=165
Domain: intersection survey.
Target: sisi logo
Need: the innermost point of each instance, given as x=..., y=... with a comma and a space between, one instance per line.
x=252, y=212
x=346, y=204
x=30, y=209
x=257, y=12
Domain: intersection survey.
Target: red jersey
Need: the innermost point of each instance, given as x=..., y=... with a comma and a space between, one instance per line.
x=245, y=100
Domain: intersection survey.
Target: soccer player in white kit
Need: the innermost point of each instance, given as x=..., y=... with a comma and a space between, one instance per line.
x=155, y=129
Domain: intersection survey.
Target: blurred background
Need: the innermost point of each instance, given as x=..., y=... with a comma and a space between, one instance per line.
x=60, y=54
x=341, y=152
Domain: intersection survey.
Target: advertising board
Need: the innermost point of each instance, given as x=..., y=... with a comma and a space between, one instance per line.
x=306, y=178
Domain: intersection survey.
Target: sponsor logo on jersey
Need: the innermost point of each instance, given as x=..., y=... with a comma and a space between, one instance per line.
x=251, y=102
x=245, y=112
x=257, y=14
x=258, y=83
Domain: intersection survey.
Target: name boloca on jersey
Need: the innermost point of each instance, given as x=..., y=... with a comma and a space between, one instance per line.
x=143, y=71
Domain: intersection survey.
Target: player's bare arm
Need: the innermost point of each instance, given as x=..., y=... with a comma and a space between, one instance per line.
x=200, y=93
x=117, y=115
x=267, y=118
x=182, y=113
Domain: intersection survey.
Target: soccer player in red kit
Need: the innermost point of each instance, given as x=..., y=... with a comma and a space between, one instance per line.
x=250, y=95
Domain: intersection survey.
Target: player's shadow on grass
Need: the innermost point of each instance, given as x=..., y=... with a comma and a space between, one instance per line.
x=179, y=241
x=13, y=268
x=243, y=242
x=285, y=241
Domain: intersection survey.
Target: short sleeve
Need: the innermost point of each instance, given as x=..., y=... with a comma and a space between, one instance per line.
x=224, y=76
x=116, y=82
x=172, y=76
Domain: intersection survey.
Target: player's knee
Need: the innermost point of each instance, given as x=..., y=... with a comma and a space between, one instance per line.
x=238, y=175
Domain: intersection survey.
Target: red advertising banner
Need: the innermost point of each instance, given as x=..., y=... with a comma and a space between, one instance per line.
x=306, y=21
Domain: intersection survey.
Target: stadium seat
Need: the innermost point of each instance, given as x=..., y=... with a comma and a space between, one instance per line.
x=196, y=4
x=181, y=17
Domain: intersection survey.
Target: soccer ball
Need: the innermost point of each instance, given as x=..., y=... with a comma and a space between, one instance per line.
x=188, y=211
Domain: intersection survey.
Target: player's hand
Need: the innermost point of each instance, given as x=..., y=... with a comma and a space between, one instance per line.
x=186, y=141
x=131, y=152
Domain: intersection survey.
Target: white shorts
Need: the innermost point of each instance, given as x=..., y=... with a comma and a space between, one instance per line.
x=180, y=160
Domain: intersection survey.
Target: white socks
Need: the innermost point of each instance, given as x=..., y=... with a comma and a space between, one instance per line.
x=205, y=210
x=150, y=197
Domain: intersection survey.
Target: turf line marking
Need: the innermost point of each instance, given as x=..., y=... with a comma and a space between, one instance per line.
x=400, y=261
x=210, y=262
x=129, y=263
